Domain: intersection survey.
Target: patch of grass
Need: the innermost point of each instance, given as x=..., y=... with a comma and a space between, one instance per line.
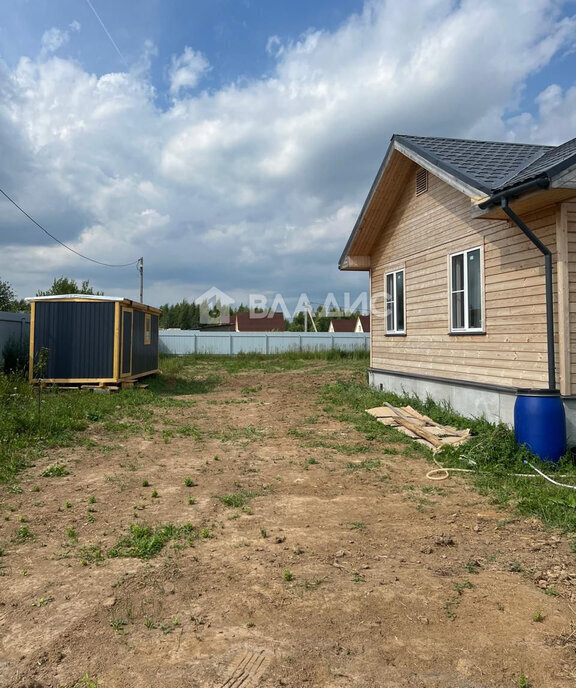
x=538, y=616
x=26, y=433
x=366, y=465
x=195, y=367
x=357, y=525
x=492, y=452
x=55, y=471
x=118, y=624
x=90, y=554
x=24, y=534
x=178, y=375
x=523, y=682
x=288, y=575
x=472, y=566
x=239, y=499
x=451, y=605
x=145, y=542
x=189, y=482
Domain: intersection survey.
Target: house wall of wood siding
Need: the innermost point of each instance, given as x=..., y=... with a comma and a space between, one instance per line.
x=419, y=236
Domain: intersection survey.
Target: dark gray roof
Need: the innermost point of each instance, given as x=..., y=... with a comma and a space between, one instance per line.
x=552, y=162
x=491, y=166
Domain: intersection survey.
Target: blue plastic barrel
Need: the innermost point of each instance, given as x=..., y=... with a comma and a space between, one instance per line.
x=540, y=422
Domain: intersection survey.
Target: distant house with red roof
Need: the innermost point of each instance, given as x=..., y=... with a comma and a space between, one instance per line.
x=342, y=325
x=245, y=321
x=362, y=323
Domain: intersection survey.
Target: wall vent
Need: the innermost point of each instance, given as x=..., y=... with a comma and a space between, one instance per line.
x=421, y=181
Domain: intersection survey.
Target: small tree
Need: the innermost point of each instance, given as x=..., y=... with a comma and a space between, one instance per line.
x=8, y=300
x=63, y=285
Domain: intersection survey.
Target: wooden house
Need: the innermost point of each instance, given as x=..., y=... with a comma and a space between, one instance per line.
x=91, y=339
x=471, y=250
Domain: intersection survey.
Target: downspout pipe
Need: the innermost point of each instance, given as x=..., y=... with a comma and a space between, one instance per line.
x=549, y=292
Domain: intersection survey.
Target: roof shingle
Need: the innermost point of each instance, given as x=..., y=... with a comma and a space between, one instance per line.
x=486, y=165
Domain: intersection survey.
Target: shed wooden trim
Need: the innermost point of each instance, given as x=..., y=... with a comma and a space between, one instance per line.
x=116, y=341
x=31, y=349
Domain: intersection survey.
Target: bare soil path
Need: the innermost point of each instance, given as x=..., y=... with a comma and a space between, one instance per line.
x=324, y=565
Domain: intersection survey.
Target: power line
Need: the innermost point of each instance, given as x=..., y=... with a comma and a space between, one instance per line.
x=107, y=265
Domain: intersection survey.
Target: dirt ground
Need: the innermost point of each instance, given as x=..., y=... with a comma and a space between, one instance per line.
x=340, y=572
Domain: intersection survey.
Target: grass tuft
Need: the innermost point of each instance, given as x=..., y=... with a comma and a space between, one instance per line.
x=145, y=542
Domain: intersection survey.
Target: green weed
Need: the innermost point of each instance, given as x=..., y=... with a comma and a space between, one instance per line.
x=145, y=542
x=55, y=471
x=237, y=500
x=90, y=554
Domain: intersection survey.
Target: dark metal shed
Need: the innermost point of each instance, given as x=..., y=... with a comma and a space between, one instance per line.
x=92, y=339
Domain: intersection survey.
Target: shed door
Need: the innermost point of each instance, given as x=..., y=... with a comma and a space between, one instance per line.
x=127, y=315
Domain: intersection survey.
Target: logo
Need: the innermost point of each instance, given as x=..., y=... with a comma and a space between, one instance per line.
x=214, y=307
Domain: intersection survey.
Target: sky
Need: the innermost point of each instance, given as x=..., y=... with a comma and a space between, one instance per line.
x=231, y=143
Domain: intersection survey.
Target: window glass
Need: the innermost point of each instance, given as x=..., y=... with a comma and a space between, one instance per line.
x=466, y=290
x=395, y=302
x=390, y=302
x=474, y=290
x=400, y=300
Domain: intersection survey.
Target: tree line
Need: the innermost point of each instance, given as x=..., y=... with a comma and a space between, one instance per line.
x=181, y=315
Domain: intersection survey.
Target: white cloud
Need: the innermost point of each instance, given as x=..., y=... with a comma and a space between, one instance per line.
x=256, y=185
x=186, y=70
x=53, y=39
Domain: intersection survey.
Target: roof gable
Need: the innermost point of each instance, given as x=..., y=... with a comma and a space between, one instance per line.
x=475, y=168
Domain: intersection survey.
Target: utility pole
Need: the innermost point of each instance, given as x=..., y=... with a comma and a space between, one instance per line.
x=312, y=318
x=141, y=271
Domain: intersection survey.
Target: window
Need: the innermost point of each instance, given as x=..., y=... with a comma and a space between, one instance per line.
x=147, y=328
x=466, y=291
x=395, y=316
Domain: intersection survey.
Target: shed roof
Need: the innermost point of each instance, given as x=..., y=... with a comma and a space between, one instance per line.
x=96, y=298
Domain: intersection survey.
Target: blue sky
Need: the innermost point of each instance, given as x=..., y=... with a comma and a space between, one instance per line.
x=232, y=142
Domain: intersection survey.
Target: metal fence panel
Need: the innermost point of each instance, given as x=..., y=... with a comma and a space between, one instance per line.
x=14, y=326
x=181, y=342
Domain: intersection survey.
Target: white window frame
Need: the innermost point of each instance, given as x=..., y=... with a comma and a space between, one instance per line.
x=395, y=329
x=466, y=328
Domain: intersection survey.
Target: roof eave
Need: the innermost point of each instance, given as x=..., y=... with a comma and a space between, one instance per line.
x=366, y=204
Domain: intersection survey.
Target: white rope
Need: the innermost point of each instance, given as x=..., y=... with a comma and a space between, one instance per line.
x=442, y=473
